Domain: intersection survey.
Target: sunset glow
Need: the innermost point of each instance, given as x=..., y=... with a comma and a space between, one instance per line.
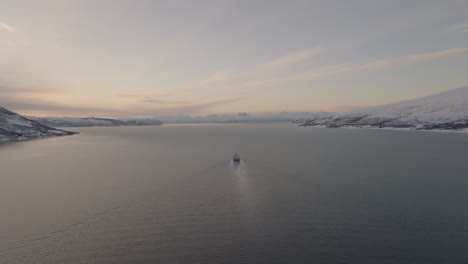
x=148, y=58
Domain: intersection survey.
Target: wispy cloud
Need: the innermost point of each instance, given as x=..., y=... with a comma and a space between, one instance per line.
x=294, y=58
x=378, y=65
x=436, y=55
x=460, y=27
x=339, y=69
x=152, y=100
x=24, y=104
x=7, y=27
x=22, y=98
x=226, y=78
x=40, y=107
x=217, y=78
x=139, y=98
x=196, y=107
x=256, y=86
x=127, y=96
x=8, y=87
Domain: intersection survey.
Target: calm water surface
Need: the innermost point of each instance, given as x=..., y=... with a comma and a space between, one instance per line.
x=170, y=194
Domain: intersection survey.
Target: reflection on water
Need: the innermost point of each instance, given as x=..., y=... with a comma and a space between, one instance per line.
x=243, y=182
x=239, y=169
x=244, y=186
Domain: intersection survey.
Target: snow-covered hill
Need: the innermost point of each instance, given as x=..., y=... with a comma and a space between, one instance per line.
x=94, y=121
x=16, y=127
x=447, y=110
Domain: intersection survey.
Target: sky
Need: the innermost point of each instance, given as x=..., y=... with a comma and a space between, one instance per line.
x=144, y=58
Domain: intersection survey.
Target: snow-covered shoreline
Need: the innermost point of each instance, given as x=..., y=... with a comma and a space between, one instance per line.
x=395, y=129
x=14, y=127
x=443, y=111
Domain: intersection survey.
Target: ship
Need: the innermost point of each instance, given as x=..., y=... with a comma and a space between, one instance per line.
x=236, y=158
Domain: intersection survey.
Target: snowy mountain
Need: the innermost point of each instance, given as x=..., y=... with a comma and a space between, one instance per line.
x=94, y=121
x=16, y=127
x=240, y=118
x=447, y=110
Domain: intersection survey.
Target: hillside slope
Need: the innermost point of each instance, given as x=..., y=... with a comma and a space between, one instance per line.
x=16, y=127
x=446, y=110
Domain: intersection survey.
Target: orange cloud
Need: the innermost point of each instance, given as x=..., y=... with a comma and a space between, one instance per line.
x=7, y=27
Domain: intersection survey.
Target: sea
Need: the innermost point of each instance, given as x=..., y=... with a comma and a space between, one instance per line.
x=171, y=194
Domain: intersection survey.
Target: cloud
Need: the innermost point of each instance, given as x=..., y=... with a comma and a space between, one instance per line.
x=7, y=27
x=18, y=79
x=218, y=78
x=14, y=89
x=36, y=106
x=22, y=98
x=152, y=101
x=377, y=65
x=20, y=104
x=127, y=95
x=226, y=77
x=294, y=58
x=201, y=105
x=461, y=27
x=436, y=55
x=141, y=98
x=339, y=69
x=19, y=84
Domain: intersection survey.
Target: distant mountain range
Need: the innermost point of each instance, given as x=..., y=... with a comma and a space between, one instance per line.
x=174, y=119
x=94, y=121
x=443, y=111
x=243, y=117
x=16, y=127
